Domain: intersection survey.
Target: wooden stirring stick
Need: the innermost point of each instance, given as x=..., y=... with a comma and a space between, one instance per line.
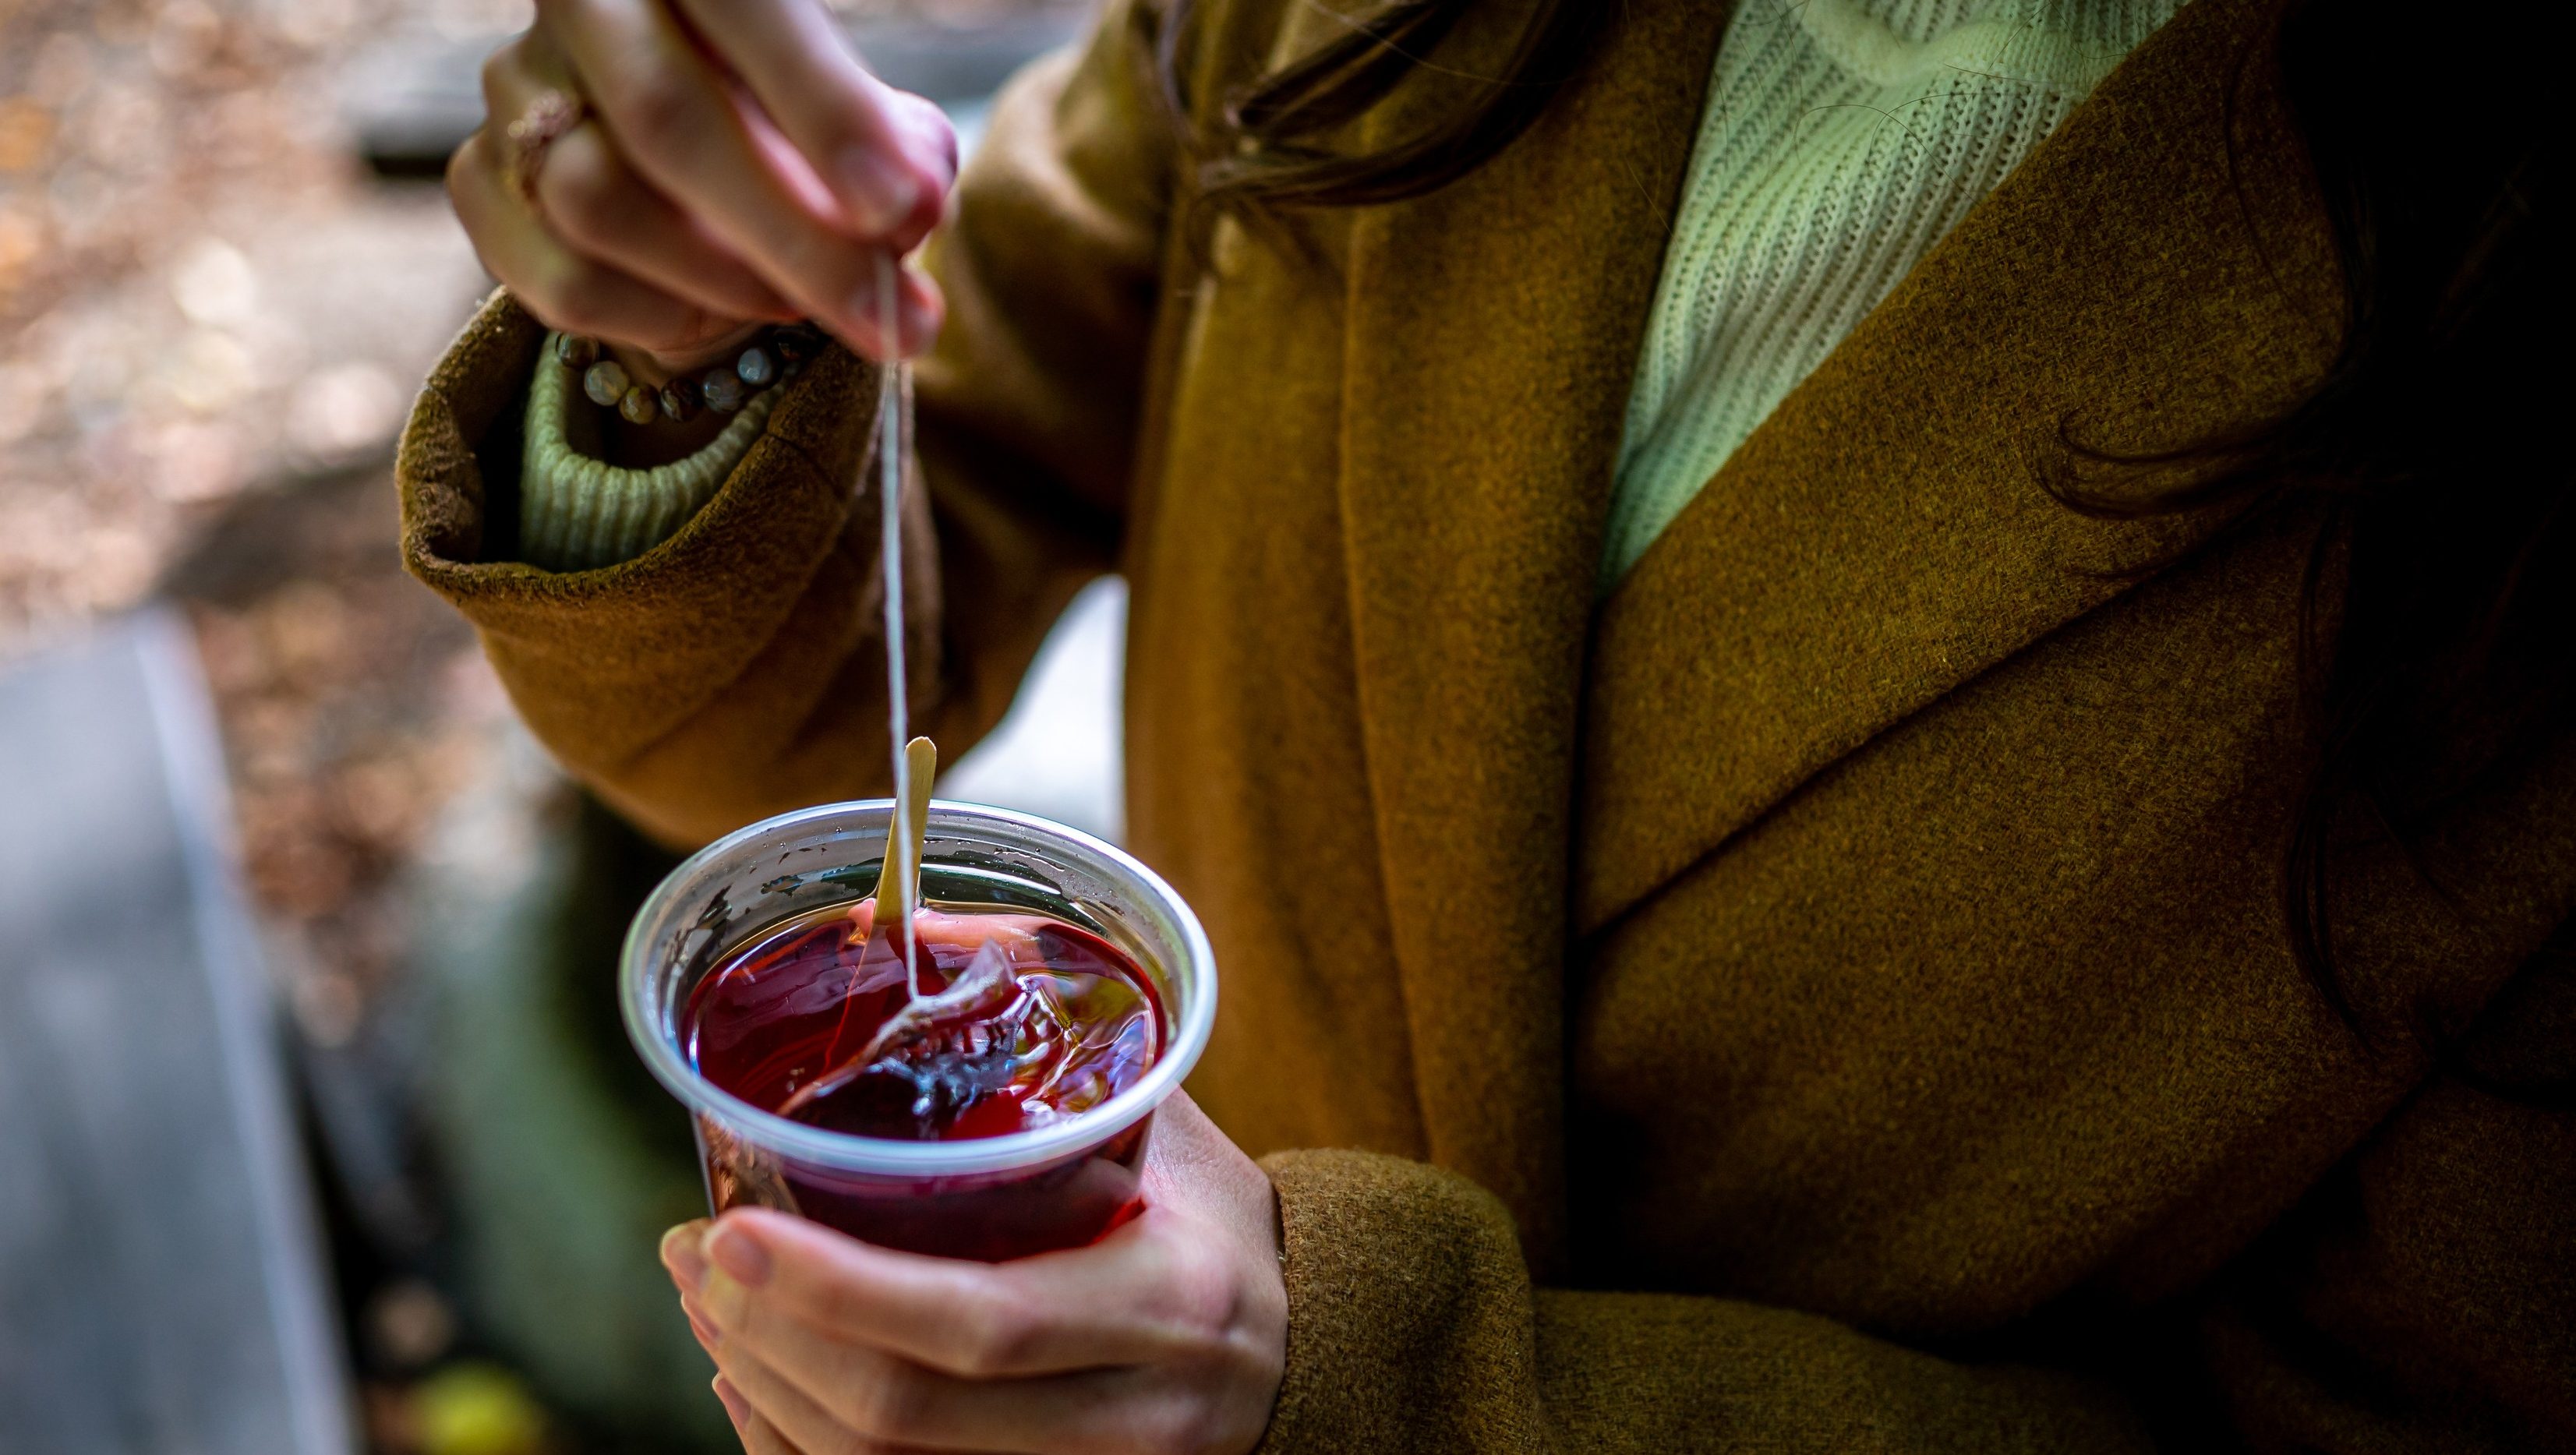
x=898, y=896
x=899, y=882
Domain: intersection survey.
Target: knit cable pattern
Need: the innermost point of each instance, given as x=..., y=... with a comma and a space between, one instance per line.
x=1839, y=141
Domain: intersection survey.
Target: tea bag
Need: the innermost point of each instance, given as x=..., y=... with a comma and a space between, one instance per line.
x=940, y=1053
x=980, y=988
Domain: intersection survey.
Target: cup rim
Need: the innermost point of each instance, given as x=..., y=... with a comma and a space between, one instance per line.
x=885, y=1155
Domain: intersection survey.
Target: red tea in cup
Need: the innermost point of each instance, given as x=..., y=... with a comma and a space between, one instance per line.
x=1064, y=992
x=1025, y=1021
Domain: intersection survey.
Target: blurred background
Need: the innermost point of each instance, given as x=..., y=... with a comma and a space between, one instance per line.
x=317, y=1131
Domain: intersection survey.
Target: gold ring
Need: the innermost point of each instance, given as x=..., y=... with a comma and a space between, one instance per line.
x=549, y=116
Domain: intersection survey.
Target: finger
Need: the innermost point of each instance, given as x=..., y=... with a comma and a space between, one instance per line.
x=930, y=136
x=673, y=118
x=795, y=1414
x=561, y=287
x=688, y=1269
x=933, y=134
x=849, y=126
x=848, y=1394
x=759, y=1436
x=700, y=1327
x=918, y=313
x=590, y=198
x=680, y=1255
x=736, y=1408
x=1134, y=1297
x=528, y=64
x=919, y=310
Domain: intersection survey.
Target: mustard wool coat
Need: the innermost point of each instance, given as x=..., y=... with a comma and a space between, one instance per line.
x=1829, y=996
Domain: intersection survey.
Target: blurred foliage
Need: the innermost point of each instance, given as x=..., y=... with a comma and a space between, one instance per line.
x=477, y=1409
x=199, y=295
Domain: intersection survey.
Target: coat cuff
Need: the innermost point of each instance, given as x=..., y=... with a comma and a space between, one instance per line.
x=459, y=461
x=1409, y=1308
x=610, y=660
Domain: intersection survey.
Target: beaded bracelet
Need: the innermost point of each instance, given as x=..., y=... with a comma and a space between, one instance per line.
x=779, y=354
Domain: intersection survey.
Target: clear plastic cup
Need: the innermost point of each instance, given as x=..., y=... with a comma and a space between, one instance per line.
x=1060, y=1186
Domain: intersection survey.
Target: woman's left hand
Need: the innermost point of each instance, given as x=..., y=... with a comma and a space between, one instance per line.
x=1169, y=1334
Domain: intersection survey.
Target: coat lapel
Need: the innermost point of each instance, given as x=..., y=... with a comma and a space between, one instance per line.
x=1883, y=537
x=1493, y=327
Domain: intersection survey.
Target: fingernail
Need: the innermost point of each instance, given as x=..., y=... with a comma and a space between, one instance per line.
x=680, y=1253
x=880, y=191
x=739, y=1254
x=737, y=1409
x=709, y=1336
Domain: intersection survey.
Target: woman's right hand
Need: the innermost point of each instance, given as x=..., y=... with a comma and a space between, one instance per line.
x=736, y=166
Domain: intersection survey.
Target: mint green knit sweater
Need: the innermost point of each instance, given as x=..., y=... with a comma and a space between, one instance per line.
x=1840, y=140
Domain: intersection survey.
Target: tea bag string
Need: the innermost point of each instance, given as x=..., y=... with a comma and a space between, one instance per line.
x=894, y=437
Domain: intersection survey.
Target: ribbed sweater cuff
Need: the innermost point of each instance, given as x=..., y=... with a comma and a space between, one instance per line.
x=579, y=514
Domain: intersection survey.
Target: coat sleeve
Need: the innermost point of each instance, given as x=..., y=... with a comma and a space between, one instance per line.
x=737, y=669
x=1413, y=1325
x=2419, y=1297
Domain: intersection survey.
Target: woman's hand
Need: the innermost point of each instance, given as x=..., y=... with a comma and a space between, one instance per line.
x=735, y=166
x=1168, y=1335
